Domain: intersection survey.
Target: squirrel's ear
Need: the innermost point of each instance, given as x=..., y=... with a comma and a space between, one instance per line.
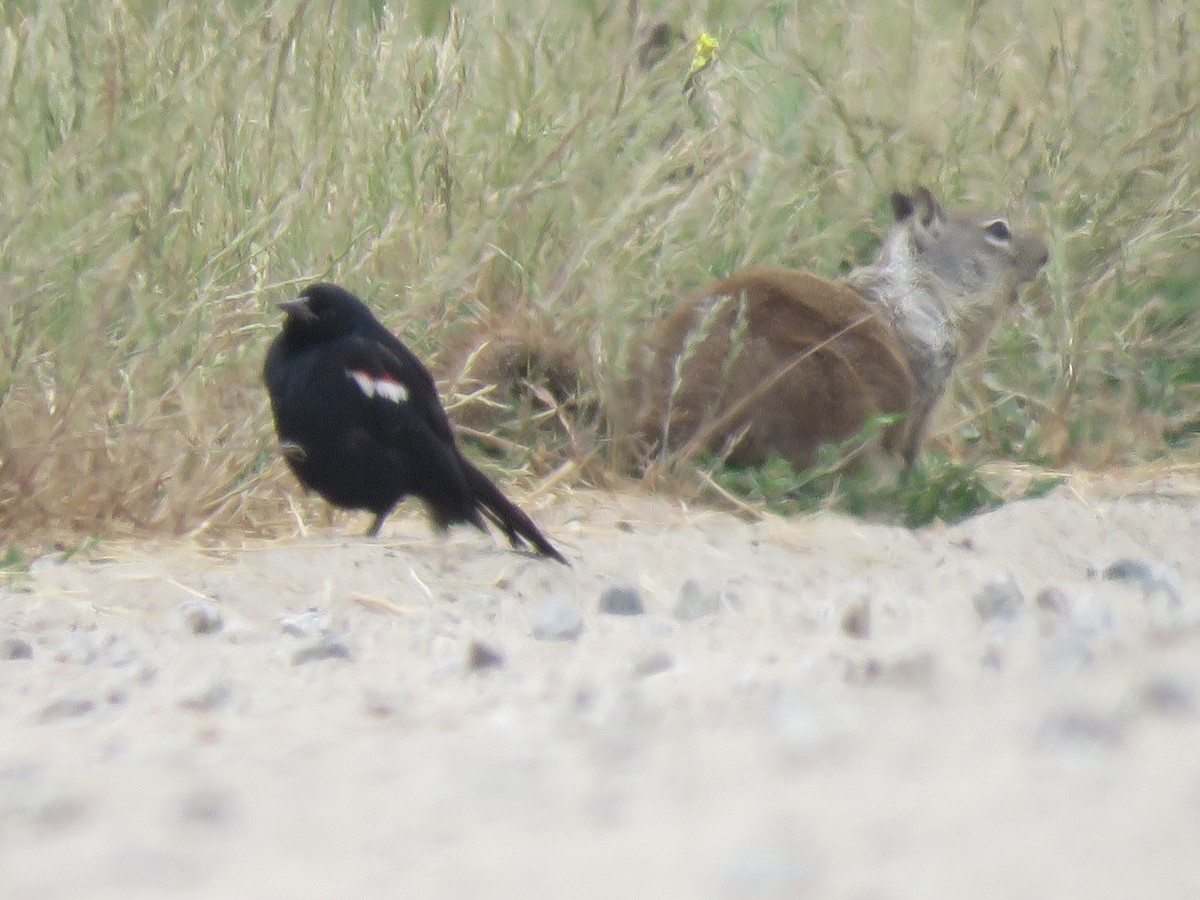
x=902, y=206
x=926, y=207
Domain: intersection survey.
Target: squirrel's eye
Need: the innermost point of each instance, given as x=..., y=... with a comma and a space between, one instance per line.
x=998, y=230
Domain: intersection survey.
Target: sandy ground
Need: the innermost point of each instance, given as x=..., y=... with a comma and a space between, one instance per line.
x=829, y=709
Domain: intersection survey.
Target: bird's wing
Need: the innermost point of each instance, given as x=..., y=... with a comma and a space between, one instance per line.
x=396, y=385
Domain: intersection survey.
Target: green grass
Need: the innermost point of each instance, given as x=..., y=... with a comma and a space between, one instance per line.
x=936, y=489
x=171, y=169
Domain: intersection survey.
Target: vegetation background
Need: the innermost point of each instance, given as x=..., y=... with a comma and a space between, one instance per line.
x=491, y=169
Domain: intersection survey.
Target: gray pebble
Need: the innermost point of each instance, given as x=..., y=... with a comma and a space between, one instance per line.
x=207, y=698
x=731, y=599
x=328, y=647
x=917, y=670
x=481, y=656
x=1168, y=697
x=68, y=707
x=383, y=703
x=999, y=599
x=1131, y=570
x=856, y=618
x=1053, y=600
x=15, y=648
x=654, y=663
x=694, y=602
x=305, y=624
x=207, y=807
x=1081, y=728
x=58, y=813
x=556, y=620
x=1160, y=579
x=622, y=600
x=201, y=617
x=116, y=695
x=993, y=658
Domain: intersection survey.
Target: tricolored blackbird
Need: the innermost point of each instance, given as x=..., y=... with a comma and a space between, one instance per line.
x=360, y=422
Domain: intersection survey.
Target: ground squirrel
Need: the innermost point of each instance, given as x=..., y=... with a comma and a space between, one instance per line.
x=779, y=361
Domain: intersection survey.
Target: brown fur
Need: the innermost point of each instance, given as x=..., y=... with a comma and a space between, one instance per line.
x=776, y=361
x=786, y=362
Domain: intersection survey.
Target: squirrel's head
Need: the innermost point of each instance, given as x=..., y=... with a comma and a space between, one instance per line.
x=969, y=250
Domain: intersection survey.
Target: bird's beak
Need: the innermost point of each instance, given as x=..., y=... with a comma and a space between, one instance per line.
x=298, y=307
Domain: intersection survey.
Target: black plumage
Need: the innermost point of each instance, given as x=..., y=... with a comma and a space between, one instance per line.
x=360, y=422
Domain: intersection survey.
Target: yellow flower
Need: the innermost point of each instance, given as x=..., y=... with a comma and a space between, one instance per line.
x=706, y=52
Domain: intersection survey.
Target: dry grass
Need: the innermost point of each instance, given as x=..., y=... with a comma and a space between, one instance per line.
x=171, y=169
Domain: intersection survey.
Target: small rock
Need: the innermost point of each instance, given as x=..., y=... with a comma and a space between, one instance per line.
x=653, y=663
x=1163, y=579
x=206, y=807
x=913, y=670
x=15, y=648
x=305, y=624
x=1000, y=599
x=68, y=707
x=622, y=600
x=731, y=599
x=208, y=698
x=328, y=647
x=993, y=658
x=58, y=813
x=1168, y=697
x=480, y=657
x=556, y=620
x=1131, y=570
x=1053, y=600
x=856, y=619
x=694, y=602
x=201, y=617
x=1081, y=728
x=382, y=703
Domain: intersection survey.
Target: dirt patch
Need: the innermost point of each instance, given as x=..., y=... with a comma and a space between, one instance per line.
x=816, y=706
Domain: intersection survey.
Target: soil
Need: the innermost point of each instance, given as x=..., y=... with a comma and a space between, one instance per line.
x=817, y=707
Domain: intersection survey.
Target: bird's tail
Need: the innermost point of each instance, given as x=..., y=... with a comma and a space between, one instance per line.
x=505, y=515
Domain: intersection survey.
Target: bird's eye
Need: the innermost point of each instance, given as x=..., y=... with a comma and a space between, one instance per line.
x=998, y=230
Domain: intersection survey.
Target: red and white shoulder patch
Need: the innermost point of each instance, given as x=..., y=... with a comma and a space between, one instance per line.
x=381, y=386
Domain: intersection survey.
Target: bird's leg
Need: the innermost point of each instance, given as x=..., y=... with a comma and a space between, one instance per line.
x=376, y=525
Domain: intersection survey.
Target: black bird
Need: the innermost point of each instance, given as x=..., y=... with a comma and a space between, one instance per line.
x=360, y=422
